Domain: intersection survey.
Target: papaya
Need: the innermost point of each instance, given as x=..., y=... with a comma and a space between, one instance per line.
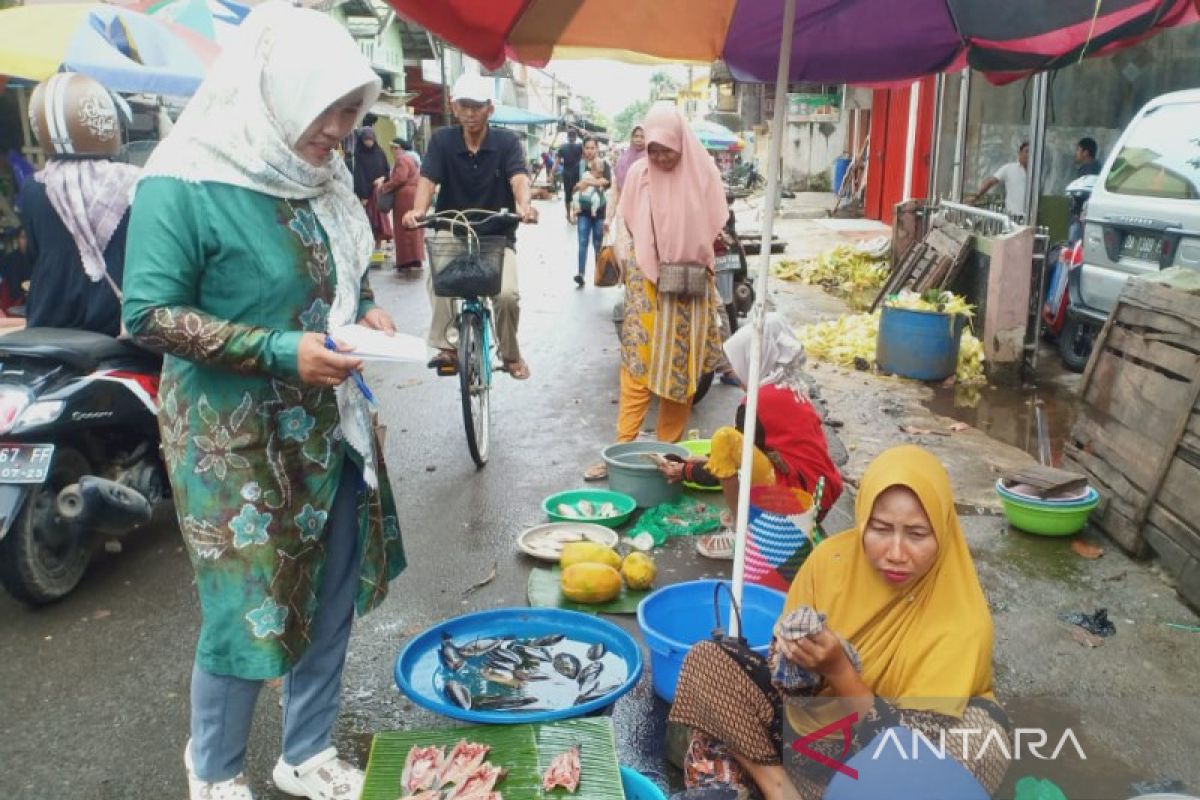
x=588, y=552
x=638, y=570
x=589, y=582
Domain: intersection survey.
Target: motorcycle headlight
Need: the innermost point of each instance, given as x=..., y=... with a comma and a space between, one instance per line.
x=40, y=413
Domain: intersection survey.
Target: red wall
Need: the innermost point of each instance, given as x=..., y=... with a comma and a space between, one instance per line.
x=889, y=140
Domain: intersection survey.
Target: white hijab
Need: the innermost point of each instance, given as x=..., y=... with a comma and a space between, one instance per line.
x=283, y=69
x=782, y=354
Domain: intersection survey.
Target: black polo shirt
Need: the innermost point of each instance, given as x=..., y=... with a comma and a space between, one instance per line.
x=474, y=180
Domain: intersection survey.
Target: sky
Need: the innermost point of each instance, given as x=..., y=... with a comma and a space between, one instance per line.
x=614, y=85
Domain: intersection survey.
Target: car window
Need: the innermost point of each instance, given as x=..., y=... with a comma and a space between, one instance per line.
x=1161, y=156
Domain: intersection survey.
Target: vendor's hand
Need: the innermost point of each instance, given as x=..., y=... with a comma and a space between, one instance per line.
x=971, y=199
x=672, y=471
x=821, y=653
x=412, y=218
x=380, y=320
x=364, y=202
x=529, y=215
x=319, y=366
x=379, y=180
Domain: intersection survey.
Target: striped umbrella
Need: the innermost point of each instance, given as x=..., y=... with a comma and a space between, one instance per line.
x=124, y=50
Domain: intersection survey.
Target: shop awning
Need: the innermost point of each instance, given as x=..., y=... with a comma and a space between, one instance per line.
x=513, y=115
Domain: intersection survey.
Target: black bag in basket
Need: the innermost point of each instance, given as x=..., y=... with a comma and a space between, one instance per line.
x=466, y=276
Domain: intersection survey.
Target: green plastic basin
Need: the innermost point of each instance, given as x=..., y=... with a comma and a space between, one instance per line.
x=1045, y=518
x=624, y=503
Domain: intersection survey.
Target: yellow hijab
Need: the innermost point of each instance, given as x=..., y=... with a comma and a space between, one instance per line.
x=926, y=646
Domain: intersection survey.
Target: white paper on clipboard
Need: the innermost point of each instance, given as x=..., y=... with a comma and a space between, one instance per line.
x=372, y=345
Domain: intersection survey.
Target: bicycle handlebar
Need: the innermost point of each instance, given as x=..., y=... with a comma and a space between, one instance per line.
x=458, y=220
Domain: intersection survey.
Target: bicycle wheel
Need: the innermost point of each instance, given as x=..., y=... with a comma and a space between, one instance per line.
x=474, y=385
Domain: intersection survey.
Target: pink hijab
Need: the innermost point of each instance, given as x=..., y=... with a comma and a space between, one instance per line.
x=630, y=157
x=687, y=204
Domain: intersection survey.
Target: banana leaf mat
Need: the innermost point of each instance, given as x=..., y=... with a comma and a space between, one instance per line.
x=544, y=592
x=524, y=750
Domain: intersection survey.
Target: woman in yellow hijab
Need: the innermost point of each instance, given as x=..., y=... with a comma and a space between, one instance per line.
x=901, y=588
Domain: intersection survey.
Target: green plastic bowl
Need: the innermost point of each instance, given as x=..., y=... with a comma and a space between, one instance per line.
x=1045, y=519
x=624, y=503
x=699, y=447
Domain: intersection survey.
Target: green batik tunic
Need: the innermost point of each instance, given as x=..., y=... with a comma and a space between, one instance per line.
x=224, y=280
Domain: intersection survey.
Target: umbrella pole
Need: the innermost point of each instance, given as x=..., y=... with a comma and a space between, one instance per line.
x=759, y=314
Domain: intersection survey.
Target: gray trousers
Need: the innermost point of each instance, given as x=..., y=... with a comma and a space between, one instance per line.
x=507, y=306
x=223, y=706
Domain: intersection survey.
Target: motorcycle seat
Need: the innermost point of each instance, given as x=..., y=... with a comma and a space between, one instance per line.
x=81, y=350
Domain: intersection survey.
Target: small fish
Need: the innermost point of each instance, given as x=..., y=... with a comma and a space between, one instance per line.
x=502, y=677
x=585, y=508
x=529, y=653
x=592, y=670
x=561, y=537
x=506, y=656
x=607, y=511
x=450, y=655
x=527, y=674
x=546, y=641
x=478, y=647
x=567, y=665
x=567, y=511
x=595, y=693
x=458, y=694
x=502, y=702
x=597, y=651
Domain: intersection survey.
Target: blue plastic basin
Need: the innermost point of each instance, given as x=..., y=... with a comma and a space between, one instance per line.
x=638, y=787
x=676, y=617
x=922, y=345
x=418, y=667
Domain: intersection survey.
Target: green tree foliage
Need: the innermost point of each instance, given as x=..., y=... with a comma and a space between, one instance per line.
x=632, y=115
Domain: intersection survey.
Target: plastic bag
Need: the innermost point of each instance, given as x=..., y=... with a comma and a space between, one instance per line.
x=687, y=517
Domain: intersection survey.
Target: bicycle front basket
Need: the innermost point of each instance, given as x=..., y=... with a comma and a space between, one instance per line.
x=466, y=266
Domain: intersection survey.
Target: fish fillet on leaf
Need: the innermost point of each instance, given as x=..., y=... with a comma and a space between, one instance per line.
x=463, y=760
x=563, y=771
x=478, y=785
x=421, y=768
x=427, y=794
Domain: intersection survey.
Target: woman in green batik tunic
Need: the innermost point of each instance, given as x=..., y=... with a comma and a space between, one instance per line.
x=247, y=245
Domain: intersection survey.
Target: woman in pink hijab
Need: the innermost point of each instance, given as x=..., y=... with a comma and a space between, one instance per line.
x=672, y=207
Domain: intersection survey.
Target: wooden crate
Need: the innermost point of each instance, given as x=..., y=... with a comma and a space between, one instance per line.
x=1138, y=434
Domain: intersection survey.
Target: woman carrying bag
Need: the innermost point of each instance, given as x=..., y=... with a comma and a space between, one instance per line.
x=671, y=208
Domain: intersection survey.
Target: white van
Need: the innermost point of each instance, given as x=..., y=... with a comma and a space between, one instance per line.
x=1144, y=213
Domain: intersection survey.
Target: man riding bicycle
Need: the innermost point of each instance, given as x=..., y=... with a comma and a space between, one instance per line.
x=475, y=166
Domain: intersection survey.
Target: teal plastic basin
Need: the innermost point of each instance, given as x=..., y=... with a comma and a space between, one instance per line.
x=625, y=504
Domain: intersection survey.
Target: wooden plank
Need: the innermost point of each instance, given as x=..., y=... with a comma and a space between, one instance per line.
x=1182, y=534
x=1138, y=317
x=1097, y=347
x=1116, y=523
x=1144, y=400
x=1124, y=450
x=941, y=241
x=1157, y=297
x=1116, y=484
x=1047, y=480
x=1114, y=515
x=933, y=277
x=900, y=274
x=1155, y=353
x=1184, y=568
x=1172, y=466
x=1180, y=491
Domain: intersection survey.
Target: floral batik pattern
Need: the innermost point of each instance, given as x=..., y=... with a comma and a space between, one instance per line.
x=255, y=456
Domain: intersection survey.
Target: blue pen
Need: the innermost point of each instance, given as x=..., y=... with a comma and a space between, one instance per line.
x=358, y=379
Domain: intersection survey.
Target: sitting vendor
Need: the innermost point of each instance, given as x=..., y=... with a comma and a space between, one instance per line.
x=790, y=445
x=885, y=634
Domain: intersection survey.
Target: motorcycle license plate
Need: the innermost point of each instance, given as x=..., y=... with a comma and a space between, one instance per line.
x=25, y=463
x=1146, y=248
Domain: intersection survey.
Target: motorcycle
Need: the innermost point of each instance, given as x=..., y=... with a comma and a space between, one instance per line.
x=79, y=454
x=1061, y=317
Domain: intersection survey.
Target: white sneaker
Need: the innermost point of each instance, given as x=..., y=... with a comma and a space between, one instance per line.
x=237, y=788
x=717, y=546
x=322, y=777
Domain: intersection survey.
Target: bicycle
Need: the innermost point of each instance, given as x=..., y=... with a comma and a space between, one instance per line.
x=468, y=267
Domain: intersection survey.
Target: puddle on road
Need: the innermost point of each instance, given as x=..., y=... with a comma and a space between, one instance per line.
x=1008, y=413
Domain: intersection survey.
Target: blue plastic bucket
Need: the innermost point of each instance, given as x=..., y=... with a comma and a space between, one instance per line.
x=638, y=787
x=922, y=345
x=676, y=617
x=840, y=165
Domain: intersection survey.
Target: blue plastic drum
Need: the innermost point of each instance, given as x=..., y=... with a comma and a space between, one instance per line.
x=922, y=345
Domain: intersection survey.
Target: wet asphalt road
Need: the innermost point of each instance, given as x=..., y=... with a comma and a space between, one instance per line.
x=94, y=699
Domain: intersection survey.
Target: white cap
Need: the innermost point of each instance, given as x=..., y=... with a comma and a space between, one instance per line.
x=472, y=87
